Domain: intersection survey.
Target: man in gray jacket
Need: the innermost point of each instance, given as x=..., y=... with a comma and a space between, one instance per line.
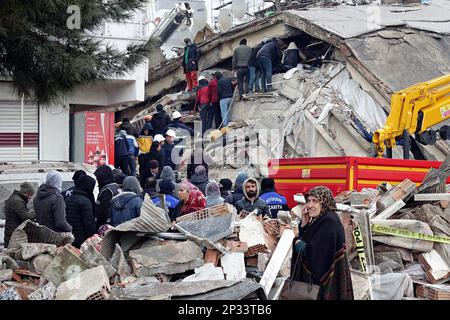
x=251, y=199
x=16, y=210
x=241, y=57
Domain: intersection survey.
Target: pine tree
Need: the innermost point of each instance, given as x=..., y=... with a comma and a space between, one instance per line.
x=46, y=56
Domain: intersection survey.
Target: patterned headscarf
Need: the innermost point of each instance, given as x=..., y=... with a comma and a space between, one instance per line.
x=325, y=197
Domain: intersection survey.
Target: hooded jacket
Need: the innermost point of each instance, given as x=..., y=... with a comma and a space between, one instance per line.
x=203, y=95
x=270, y=50
x=213, y=93
x=249, y=205
x=213, y=194
x=108, y=189
x=253, y=62
x=237, y=193
x=145, y=141
x=167, y=174
x=121, y=145
x=80, y=210
x=16, y=212
x=49, y=208
x=200, y=178
x=128, y=127
x=159, y=121
x=190, y=58
x=127, y=205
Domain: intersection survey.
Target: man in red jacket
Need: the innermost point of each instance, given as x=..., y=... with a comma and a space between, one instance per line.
x=214, y=100
x=203, y=101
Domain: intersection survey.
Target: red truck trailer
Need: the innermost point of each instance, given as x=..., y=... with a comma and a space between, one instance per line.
x=298, y=175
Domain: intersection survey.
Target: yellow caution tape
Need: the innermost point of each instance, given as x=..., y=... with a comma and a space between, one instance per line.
x=360, y=248
x=408, y=234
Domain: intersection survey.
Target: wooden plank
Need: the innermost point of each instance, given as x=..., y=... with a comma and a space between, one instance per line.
x=389, y=211
x=276, y=262
x=431, y=196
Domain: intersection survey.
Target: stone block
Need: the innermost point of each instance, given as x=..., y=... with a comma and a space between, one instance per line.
x=233, y=265
x=39, y=263
x=6, y=275
x=92, y=284
x=30, y=250
x=47, y=292
x=93, y=259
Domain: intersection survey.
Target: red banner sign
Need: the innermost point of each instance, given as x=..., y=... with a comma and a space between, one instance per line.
x=99, y=138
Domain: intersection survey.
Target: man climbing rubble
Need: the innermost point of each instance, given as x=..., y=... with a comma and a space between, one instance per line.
x=268, y=56
x=241, y=58
x=251, y=200
x=190, y=63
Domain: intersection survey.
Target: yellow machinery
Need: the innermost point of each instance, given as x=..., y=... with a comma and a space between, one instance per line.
x=415, y=110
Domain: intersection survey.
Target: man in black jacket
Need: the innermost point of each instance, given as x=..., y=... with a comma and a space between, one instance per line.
x=160, y=120
x=16, y=210
x=49, y=204
x=251, y=200
x=128, y=127
x=238, y=193
x=267, y=57
x=190, y=63
x=108, y=189
x=80, y=210
x=225, y=90
x=121, y=147
x=77, y=175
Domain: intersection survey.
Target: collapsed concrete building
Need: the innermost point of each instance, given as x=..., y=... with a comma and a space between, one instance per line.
x=367, y=52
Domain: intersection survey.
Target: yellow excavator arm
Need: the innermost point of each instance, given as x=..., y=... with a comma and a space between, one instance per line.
x=413, y=111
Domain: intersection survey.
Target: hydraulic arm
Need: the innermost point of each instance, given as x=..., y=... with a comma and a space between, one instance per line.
x=415, y=110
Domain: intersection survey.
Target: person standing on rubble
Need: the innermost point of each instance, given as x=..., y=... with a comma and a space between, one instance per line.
x=121, y=148
x=225, y=90
x=133, y=152
x=251, y=200
x=276, y=201
x=77, y=174
x=191, y=198
x=127, y=205
x=16, y=210
x=107, y=190
x=238, y=193
x=240, y=63
x=267, y=56
x=214, y=99
x=128, y=127
x=159, y=120
x=204, y=104
x=80, y=210
x=254, y=70
x=319, y=250
x=190, y=63
x=49, y=205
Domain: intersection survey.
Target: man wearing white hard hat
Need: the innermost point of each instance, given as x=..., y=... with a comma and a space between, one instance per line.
x=176, y=123
x=168, y=148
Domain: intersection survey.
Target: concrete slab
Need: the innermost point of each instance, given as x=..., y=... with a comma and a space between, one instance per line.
x=6, y=275
x=39, y=263
x=167, y=259
x=93, y=259
x=206, y=272
x=30, y=250
x=233, y=265
x=251, y=231
x=47, y=292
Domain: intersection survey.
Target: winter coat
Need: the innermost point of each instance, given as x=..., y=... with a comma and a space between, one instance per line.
x=225, y=88
x=167, y=174
x=200, y=181
x=249, y=205
x=128, y=127
x=133, y=145
x=125, y=206
x=108, y=189
x=159, y=121
x=241, y=56
x=275, y=201
x=49, y=208
x=144, y=163
x=270, y=50
x=80, y=215
x=212, y=194
x=16, y=212
x=172, y=204
x=167, y=148
x=253, y=61
x=190, y=58
x=203, y=96
x=121, y=145
x=213, y=93
x=145, y=142
x=237, y=194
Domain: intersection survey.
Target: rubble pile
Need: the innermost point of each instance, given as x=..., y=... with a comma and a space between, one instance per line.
x=398, y=239
x=209, y=254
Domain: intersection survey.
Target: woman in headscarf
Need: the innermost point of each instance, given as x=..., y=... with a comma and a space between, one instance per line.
x=127, y=205
x=200, y=178
x=80, y=210
x=320, y=247
x=192, y=199
x=49, y=205
x=213, y=194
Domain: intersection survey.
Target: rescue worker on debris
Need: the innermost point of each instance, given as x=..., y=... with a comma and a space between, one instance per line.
x=319, y=254
x=241, y=58
x=128, y=127
x=190, y=63
x=145, y=139
x=16, y=209
x=254, y=70
x=225, y=91
x=78, y=174
x=204, y=105
x=177, y=123
x=251, y=200
x=80, y=210
x=49, y=204
x=107, y=190
x=214, y=100
x=268, y=56
x=276, y=201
